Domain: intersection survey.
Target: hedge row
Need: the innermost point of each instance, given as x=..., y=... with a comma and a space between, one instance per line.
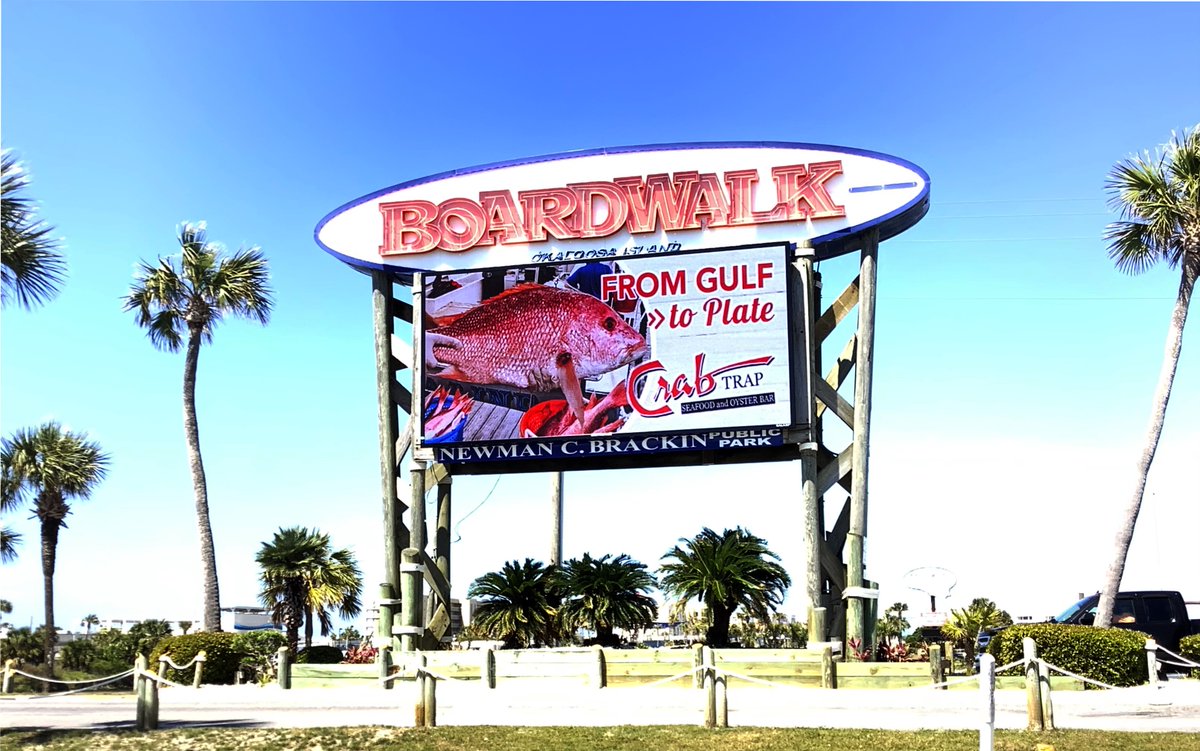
x=1189, y=647
x=224, y=653
x=1115, y=656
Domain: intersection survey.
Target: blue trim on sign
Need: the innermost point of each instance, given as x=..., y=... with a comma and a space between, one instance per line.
x=835, y=239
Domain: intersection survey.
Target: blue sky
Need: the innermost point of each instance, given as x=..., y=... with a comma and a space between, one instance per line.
x=1015, y=365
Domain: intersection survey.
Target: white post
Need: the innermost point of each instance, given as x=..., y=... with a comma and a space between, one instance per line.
x=987, y=694
x=1152, y=661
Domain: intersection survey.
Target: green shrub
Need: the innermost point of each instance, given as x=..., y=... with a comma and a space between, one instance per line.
x=258, y=650
x=320, y=656
x=222, y=656
x=1189, y=648
x=1115, y=656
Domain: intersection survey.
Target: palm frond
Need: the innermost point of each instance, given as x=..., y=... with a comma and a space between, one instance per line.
x=32, y=267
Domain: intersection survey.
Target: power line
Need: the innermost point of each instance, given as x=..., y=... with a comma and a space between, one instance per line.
x=458, y=537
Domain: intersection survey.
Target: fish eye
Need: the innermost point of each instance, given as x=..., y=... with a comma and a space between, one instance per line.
x=610, y=323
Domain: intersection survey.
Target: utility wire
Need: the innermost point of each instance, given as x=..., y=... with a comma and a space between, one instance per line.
x=458, y=537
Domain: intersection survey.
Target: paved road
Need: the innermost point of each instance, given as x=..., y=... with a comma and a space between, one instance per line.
x=1173, y=707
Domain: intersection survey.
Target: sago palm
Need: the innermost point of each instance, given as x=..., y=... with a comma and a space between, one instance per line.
x=520, y=603
x=32, y=261
x=606, y=593
x=47, y=467
x=725, y=571
x=1159, y=203
x=179, y=301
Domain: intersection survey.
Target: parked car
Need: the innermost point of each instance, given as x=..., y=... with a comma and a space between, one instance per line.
x=1161, y=614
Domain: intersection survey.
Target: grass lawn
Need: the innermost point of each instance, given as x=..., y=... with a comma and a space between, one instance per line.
x=625, y=738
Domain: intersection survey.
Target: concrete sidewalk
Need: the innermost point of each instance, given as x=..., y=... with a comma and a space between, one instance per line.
x=1172, y=707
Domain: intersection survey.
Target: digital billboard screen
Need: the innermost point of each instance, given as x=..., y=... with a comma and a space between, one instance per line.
x=615, y=356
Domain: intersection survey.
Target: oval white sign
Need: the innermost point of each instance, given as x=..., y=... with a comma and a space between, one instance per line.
x=632, y=201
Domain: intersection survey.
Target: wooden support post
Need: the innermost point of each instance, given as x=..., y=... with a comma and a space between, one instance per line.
x=162, y=666
x=387, y=613
x=856, y=536
x=710, y=687
x=383, y=661
x=151, y=686
x=381, y=301
x=987, y=692
x=412, y=578
x=139, y=688
x=8, y=676
x=488, y=668
x=1152, y=661
x=599, y=676
x=814, y=536
x=1033, y=692
x=937, y=669
x=284, y=660
x=818, y=631
x=556, y=518
x=200, y=658
x=441, y=543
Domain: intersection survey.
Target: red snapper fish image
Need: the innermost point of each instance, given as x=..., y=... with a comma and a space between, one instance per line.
x=535, y=338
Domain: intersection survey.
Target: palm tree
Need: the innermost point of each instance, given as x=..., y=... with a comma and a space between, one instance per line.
x=88, y=621
x=520, y=603
x=48, y=466
x=893, y=622
x=8, y=544
x=32, y=261
x=964, y=626
x=300, y=573
x=179, y=306
x=606, y=593
x=337, y=585
x=725, y=571
x=1159, y=202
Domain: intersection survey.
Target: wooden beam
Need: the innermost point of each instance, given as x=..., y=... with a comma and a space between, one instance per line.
x=832, y=567
x=836, y=537
x=401, y=396
x=402, y=351
x=830, y=398
x=831, y=473
x=435, y=474
x=840, y=371
x=840, y=308
x=437, y=582
x=401, y=309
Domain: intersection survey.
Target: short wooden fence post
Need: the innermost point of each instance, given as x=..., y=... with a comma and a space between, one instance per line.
x=283, y=660
x=419, y=703
x=384, y=661
x=8, y=676
x=828, y=668
x=489, y=668
x=429, y=694
x=1044, y=693
x=163, y=662
x=697, y=661
x=708, y=661
x=139, y=689
x=987, y=692
x=1152, y=661
x=937, y=670
x=816, y=624
x=722, y=700
x=1033, y=686
x=200, y=658
x=599, y=676
x=152, y=702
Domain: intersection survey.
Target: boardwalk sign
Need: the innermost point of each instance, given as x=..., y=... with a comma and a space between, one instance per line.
x=688, y=352
x=609, y=204
x=624, y=302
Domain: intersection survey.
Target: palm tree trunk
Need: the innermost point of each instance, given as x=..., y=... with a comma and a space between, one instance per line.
x=1162, y=394
x=50, y=525
x=308, y=626
x=718, y=632
x=208, y=554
